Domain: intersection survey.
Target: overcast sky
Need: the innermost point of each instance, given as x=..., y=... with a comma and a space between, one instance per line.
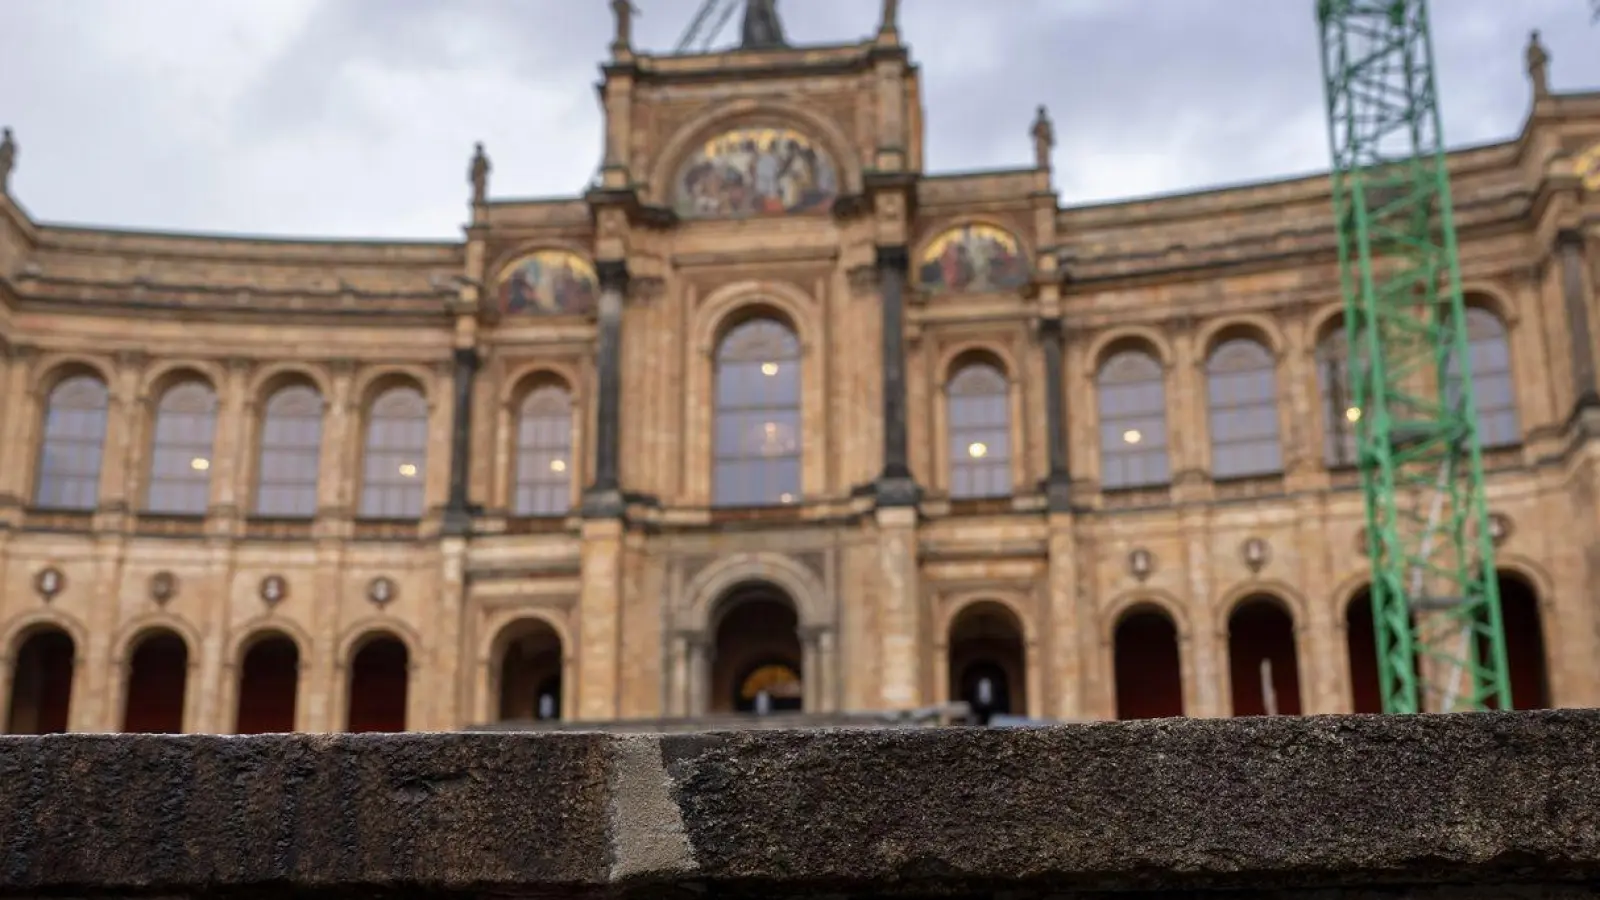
x=356, y=118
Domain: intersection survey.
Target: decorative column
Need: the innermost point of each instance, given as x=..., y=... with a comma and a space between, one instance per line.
x=1585, y=390
x=604, y=496
x=1059, y=481
x=458, y=511
x=895, y=486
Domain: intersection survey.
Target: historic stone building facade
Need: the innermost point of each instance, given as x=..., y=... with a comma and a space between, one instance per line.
x=768, y=415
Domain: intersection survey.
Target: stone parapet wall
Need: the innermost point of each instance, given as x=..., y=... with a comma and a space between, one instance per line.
x=1466, y=806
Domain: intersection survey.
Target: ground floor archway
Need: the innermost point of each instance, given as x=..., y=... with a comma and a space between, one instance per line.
x=1263, y=666
x=988, y=660
x=157, y=684
x=380, y=676
x=527, y=673
x=1526, y=661
x=1148, y=670
x=757, y=658
x=41, y=682
x=269, y=684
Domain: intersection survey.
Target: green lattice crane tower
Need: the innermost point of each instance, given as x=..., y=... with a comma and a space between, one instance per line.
x=1435, y=596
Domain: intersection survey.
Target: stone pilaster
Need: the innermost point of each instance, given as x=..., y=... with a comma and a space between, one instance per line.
x=1570, y=256
x=458, y=508
x=900, y=608
x=599, y=619
x=895, y=485
x=1058, y=482
x=1068, y=616
x=603, y=498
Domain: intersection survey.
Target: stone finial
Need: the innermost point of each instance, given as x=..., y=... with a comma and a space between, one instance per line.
x=889, y=21
x=763, y=28
x=623, y=12
x=1044, y=139
x=478, y=174
x=1538, y=65
x=8, y=159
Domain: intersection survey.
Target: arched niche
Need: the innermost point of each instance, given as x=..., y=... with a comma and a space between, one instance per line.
x=548, y=283
x=755, y=170
x=757, y=652
x=988, y=659
x=974, y=258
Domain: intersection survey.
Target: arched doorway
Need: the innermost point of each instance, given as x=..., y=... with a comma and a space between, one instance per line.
x=1361, y=643
x=1361, y=646
x=41, y=683
x=379, y=681
x=1262, y=663
x=158, y=681
x=1149, y=677
x=988, y=660
x=269, y=681
x=528, y=671
x=756, y=663
x=1525, y=653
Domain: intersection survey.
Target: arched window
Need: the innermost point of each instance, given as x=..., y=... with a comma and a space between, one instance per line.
x=980, y=432
x=544, y=453
x=72, y=444
x=291, y=453
x=756, y=457
x=1242, y=402
x=396, y=455
x=1339, y=413
x=1133, y=422
x=1493, y=390
x=180, y=450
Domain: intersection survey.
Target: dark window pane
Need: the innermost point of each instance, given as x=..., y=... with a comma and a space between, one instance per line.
x=543, y=484
x=1492, y=385
x=1133, y=421
x=979, y=432
x=291, y=454
x=181, y=443
x=1339, y=415
x=756, y=439
x=72, y=445
x=395, y=458
x=1242, y=399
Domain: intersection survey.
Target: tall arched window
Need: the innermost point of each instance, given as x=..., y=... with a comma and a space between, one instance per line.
x=1493, y=390
x=291, y=453
x=544, y=453
x=1133, y=421
x=396, y=455
x=756, y=456
x=1339, y=413
x=980, y=432
x=180, y=450
x=1242, y=401
x=71, y=445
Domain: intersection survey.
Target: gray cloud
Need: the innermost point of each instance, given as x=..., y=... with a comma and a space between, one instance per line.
x=356, y=117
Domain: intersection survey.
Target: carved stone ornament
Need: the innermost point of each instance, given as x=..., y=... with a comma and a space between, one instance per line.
x=382, y=590
x=49, y=582
x=1499, y=528
x=163, y=586
x=1256, y=553
x=1141, y=563
x=274, y=589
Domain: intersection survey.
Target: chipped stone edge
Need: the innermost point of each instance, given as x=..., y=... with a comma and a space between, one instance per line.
x=645, y=824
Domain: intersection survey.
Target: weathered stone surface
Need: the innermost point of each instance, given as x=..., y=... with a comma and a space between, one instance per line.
x=1492, y=805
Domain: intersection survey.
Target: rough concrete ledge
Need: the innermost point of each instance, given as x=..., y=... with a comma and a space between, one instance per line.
x=1503, y=803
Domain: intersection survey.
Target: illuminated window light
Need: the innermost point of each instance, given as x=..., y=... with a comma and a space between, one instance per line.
x=1132, y=436
x=1352, y=414
x=769, y=369
x=200, y=464
x=977, y=450
x=558, y=465
x=786, y=497
x=407, y=470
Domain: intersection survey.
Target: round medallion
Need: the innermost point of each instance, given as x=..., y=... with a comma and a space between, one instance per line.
x=49, y=582
x=273, y=589
x=163, y=586
x=382, y=590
